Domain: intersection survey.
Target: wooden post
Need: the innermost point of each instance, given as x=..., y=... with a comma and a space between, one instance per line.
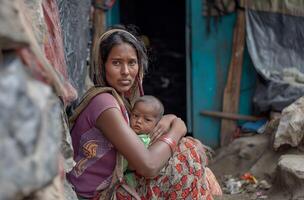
x=99, y=21
x=232, y=88
x=99, y=26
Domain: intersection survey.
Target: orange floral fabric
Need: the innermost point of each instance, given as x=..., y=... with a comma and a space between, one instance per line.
x=184, y=177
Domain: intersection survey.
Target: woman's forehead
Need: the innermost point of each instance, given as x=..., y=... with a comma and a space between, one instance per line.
x=122, y=50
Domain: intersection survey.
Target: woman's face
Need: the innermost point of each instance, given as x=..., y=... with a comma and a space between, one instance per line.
x=121, y=67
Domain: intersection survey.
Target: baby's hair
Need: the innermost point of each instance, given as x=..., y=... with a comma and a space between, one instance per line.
x=152, y=100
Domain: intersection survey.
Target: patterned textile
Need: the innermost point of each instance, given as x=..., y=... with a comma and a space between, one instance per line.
x=214, y=186
x=184, y=177
x=94, y=155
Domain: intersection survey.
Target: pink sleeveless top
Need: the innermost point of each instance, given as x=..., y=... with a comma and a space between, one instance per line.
x=94, y=155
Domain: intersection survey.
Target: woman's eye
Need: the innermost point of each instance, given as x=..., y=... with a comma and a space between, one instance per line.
x=132, y=63
x=116, y=62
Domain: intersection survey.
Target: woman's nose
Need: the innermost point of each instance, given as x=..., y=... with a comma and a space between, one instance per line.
x=125, y=69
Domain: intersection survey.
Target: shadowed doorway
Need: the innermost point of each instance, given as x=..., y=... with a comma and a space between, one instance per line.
x=163, y=23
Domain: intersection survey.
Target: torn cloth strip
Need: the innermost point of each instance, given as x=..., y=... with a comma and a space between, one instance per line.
x=218, y=7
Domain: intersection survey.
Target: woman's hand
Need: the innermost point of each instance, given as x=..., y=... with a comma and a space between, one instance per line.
x=179, y=127
x=163, y=126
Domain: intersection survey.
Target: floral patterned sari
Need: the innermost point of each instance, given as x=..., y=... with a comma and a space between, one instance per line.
x=184, y=177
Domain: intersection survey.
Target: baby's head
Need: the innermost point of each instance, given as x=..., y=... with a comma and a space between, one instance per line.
x=146, y=113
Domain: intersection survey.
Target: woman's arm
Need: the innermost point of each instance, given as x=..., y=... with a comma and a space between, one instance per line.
x=146, y=162
x=163, y=126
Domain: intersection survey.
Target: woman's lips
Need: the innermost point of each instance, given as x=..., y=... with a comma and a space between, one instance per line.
x=124, y=82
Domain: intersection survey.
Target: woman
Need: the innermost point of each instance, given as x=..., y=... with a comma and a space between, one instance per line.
x=101, y=134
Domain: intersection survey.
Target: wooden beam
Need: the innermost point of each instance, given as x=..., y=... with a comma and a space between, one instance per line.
x=232, y=88
x=230, y=116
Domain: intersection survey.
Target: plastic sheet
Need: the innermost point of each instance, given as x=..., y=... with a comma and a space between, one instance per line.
x=275, y=43
x=290, y=7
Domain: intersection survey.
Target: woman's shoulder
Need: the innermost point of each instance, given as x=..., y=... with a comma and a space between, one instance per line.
x=104, y=97
x=104, y=100
x=99, y=104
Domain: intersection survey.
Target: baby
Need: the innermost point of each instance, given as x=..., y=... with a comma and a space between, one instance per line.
x=145, y=114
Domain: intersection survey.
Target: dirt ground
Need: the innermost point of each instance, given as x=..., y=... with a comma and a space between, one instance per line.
x=251, y=155
x=233, y=197
x=272, y=196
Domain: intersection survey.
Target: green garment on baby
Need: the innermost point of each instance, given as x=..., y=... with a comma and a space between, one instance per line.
x=129, y=175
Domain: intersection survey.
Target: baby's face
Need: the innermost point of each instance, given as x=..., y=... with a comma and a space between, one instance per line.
x=144, y=118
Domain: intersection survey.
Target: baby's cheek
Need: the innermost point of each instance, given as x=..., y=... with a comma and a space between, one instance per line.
x=132, y=121
x=149, y=128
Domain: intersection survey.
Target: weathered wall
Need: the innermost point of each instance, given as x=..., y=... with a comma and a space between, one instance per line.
x=75, y=23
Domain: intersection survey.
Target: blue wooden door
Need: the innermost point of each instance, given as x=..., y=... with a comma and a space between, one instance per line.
x=209, y=57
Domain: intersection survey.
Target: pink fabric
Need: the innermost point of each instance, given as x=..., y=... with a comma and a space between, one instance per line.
x=53, y=47
x=95, y=156
x=214, y=186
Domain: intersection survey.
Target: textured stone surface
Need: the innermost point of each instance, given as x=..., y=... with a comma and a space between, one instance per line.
x=290, y=172
x=289, y=179
x=291, y=126
x=69, y=193
x=30, y=132
x=75, y=24
x=12, y=34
